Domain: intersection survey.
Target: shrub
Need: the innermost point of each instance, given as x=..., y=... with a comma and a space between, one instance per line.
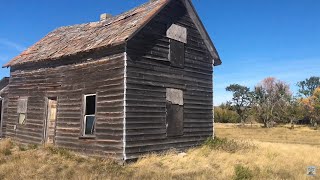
x=22, y=148
x=224, y=115
x=5, y=147
x=224, y=144
x=242, y=173
x=32, y=146
x=6, y=152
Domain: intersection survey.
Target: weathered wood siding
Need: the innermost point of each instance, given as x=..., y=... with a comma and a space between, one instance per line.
x=149, y=74
x=69, y=80
x=4, y=95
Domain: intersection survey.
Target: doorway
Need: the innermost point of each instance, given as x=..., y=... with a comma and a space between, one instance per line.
x=50, y=123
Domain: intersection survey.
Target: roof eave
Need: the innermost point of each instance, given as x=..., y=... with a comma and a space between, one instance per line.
x=64, y=56
x=217, y=62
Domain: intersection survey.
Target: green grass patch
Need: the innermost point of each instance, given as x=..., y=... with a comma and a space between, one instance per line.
x=231, y=146
x=242, y=173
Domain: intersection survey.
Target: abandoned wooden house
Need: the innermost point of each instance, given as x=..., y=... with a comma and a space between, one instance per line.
x=123, y=86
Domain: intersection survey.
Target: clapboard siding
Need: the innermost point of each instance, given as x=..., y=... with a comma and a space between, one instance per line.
x=4, y=95
x=149, y=74
x=142, y=62
x=102, y=74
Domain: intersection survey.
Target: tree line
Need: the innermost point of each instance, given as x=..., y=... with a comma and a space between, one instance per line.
x=271, y=102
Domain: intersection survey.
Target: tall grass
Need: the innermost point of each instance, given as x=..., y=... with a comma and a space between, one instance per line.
x=219, y=158
x=228, y=145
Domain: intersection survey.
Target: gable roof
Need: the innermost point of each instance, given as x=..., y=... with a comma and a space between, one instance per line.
x=203, y=32
x=71, y=40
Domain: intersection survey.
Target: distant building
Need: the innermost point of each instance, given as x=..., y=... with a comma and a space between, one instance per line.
x=124, y=86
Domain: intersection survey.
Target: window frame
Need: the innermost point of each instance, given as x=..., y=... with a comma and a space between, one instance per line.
x=84, y=117
x=24, y=113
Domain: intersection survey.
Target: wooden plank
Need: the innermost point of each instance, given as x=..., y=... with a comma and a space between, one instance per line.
x=150, y=73
x=22, y=105
x=177, y=33
x=177, y=53
x=69, y=81
x=174, y=120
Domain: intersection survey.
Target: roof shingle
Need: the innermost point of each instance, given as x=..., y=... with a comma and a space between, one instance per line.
x=70, y=40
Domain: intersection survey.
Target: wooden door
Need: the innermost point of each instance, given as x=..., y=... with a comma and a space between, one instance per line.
x=50, y=128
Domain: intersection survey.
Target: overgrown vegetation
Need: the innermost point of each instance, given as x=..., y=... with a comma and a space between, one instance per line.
x=228, y=145
x=5, y=148
x=33, y=162
x=219, y=158
x=223, y=114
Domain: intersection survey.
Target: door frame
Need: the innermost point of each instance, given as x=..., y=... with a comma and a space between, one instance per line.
x=45, y=127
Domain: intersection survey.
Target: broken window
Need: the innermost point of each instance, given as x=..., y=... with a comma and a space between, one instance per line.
x=89, y=114
x=174, y=109
x=22, y=110
x=178, y=39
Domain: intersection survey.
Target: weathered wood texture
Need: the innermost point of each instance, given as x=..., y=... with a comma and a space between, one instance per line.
x=69, y=80
x=150, y=73
x=4, y=82
x=3, y=124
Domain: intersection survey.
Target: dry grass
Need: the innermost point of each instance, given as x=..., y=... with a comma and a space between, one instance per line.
x=219, y=159
x=281, y=134
x=266, y=161
x=52, y=163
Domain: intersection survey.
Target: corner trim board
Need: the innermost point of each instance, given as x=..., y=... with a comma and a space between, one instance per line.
x=124, y=105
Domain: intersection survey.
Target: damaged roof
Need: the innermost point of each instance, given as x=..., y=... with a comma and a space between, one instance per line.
x=71, y=40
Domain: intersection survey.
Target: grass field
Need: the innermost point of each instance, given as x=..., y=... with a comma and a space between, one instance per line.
x=282, y=134
x=277, y=153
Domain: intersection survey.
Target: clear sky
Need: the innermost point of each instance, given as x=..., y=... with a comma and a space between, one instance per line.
x=255, y=38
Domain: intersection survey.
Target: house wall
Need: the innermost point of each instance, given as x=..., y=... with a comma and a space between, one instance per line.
x=3, y=125
x=69, y=80
x=149, y=74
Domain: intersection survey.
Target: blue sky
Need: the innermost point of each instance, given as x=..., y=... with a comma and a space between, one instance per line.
x=255, y=38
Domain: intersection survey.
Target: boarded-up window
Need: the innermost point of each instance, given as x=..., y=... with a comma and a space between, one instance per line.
x=89, y=114
x=177, y=33
x=22, y=109
x=178, y=39
x=177, y=53
x=174, y=109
